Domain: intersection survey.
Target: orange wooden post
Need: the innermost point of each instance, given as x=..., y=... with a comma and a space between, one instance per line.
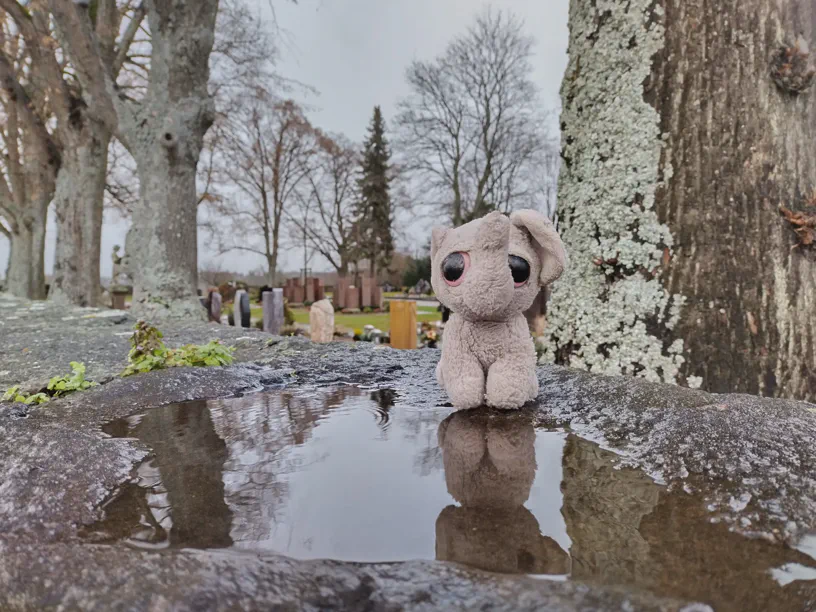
x=403, y=324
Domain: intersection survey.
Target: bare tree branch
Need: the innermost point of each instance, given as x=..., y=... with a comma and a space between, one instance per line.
x=470, y=130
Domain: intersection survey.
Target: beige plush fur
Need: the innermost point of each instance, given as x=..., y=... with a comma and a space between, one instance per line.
x=488, y=355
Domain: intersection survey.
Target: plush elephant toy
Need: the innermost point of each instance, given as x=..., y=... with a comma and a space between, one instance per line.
x=488, y=272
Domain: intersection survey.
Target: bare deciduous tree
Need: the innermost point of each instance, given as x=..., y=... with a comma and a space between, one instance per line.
x=471, y=128
x=81, y=139
x=327, y=199
x=163, y=129
x=264, y=155
x=30, y=161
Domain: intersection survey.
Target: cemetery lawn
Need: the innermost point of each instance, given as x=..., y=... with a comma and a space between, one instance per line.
x=380, y=320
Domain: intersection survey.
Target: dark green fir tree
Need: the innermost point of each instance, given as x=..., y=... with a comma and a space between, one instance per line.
x=375, y=213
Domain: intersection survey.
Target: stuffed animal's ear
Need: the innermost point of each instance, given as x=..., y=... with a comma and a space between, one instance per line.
x=437, y=236
x=494, y=231
x=546, y=241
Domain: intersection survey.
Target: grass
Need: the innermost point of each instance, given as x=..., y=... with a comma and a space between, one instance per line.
x=380, y=320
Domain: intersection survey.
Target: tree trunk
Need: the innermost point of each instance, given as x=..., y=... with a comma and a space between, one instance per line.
x=79, y=202
x=25, y=276
x=162, y=241
x=741, y=148
x=272, y=269
x=165, y=138
x=678, y=150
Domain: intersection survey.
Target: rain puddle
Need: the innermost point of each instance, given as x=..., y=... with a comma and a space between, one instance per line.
x=353, y=475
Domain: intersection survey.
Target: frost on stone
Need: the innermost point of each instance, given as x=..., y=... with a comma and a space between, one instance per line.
x=610, y=310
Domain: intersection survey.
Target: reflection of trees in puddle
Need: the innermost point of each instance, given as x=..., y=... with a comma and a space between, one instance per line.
x=603, y=508
x=489, y=461
x=625, y=529
x=260, y=436
x=179, y=499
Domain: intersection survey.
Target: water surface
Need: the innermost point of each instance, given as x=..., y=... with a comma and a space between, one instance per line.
x=353, y=475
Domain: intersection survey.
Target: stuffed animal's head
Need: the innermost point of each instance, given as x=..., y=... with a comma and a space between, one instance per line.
x=494, y=267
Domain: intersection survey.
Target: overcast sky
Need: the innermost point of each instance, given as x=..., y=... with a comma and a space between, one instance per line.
x=354, y=53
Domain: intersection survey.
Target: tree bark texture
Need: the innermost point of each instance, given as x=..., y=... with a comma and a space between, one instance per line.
x=679, y=148
x=740, y=147
x=78, y=203
x=26, y=266
x=165, y=137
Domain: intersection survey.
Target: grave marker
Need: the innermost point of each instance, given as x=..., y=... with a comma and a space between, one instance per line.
x=321, y=321
x=352, y=298
x=340, y=290
x=366, y=291
x=241, y=308
x=272, y=311
x=215, y=307
x=403, y=324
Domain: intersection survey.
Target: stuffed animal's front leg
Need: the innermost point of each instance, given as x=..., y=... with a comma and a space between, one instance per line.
x=462, y=377
x=459, y=371
x=512, y=381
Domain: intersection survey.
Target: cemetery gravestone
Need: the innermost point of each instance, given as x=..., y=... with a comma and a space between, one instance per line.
x=352, y=298
x=215, y=307
x=367, y=290
x=321, y=321
x=403, y=324
x=241, y=308
x=340, y=290
x=272, y=311
x=118, y=299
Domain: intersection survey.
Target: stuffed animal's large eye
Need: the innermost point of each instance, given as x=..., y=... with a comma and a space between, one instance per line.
x=453, y=268
x=520, y=270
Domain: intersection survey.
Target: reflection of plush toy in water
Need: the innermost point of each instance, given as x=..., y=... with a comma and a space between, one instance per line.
x=490, y=466
x=488, y=272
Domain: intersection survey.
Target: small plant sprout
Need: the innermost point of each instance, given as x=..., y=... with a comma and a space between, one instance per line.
x=148, y=352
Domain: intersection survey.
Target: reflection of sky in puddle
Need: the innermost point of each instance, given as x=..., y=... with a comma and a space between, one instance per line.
x=354, y=501
x=791, y=572
x=357, y=491
x=352, y=475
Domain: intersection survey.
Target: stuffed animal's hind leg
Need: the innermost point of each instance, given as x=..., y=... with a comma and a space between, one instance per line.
x=511, y=382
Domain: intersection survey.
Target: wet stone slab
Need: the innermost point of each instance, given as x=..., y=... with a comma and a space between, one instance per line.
x=349, y=474
x=606, y=494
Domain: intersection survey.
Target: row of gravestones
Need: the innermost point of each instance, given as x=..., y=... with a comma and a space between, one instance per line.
x=271, y=304
x=321, y=317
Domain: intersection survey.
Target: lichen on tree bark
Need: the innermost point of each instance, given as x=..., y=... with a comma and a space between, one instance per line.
x=608, y=310
x=679, y=151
